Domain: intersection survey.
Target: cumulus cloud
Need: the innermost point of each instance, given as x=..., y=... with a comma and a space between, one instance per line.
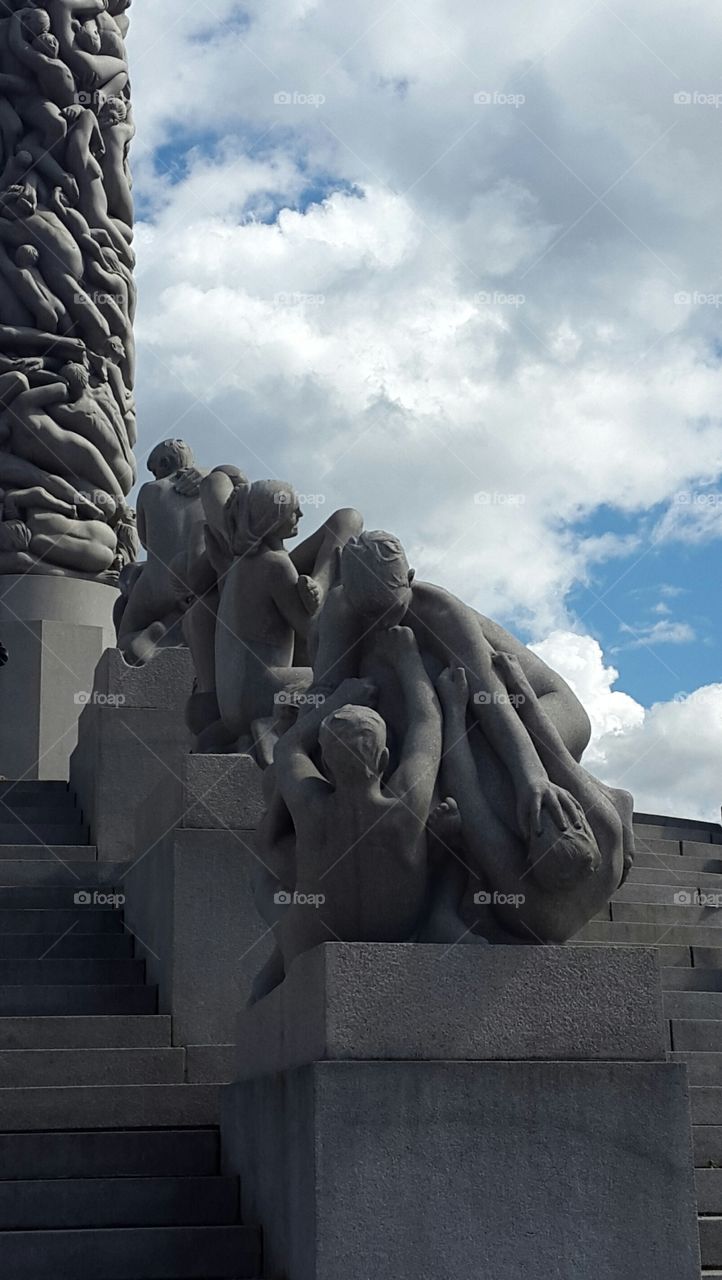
x=668, y=756
x=453, y=273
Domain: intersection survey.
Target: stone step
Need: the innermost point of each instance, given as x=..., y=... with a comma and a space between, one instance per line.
x=43, y=1068
x=67, y=897
x=692, y=1004
x=668, y=878
x=707, y=1145
x=58, y=809
x=81, y=920
x=121, y=1153
x=678, y=979
x=642, y=913
x=137, y=1106
x=49, y=972
x=696, y=1035
x=710, y=1241
x=194, y=1253
x=676, y=863
x=66, y=833
x=702, y=1069
x=679, y=829
x=643, y=845
x=33, y=787
x=64, y=874
x=649, y=935
x=118, y=1202
x=73, y=946
x=668, y=894
x=706, y=1104
x=71, y=853
x=707, y=957
x=709, y=1190
x=142, y=1031
x=75, y=1000
x=668, y=955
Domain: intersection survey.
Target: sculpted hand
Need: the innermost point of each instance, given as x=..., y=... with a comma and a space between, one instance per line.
x=541, y=794
x=395, y=644
x=188, y=482
x=452, y=687
x=310, y=593
x=509, y=669
x=70, y=189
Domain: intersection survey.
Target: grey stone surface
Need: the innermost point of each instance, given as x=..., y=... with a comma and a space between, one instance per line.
x=446, y=1169
x=154, y=1152
x=128, y=750
x=41, y=1068
x=172, y=1253
x=221, y=792
x=118, y=1202
x=56, y=630
x=67, y=355
x=145, y=1031
x=189, y=901
x=142, y=1106
x=700, y=1035
x=350, y=1001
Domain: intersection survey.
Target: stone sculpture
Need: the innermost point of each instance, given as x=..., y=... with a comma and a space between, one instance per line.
x=253, y=608
x=67, y=297
x=169, y=521
x=514, y=840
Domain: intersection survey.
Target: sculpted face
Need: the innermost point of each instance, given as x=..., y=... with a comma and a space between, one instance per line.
x=21, y=201
x=561, y=860
x=47, y=43
x=376, y=577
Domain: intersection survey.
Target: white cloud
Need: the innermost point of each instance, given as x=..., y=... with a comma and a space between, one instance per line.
x=402, y=300
x=669, y=756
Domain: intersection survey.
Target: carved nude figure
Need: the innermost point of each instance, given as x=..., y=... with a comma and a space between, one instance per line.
x=170, y=527
x=539, y=886
x=360, y=841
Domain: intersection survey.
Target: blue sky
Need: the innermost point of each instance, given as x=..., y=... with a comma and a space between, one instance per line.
x=459, y=268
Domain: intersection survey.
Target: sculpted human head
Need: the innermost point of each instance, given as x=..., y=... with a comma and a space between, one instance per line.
x=267, y=509
x=561, y=860
x=20, y=200
x=376, y=577
x=47, y=43
x=77, y=378
x=27, y=256
x=113, y=111
x=168, y=457
x=353, y=744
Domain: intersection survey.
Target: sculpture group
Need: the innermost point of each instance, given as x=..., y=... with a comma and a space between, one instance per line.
x=67, y=295
x=421, y=765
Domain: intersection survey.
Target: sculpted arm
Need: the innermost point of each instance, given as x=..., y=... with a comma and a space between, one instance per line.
x=415, y=777
x=286, y=597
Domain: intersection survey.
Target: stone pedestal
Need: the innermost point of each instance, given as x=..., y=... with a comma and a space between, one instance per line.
x=189, y=899
x=55, y=630
x=415, y=1111
x=132, y=738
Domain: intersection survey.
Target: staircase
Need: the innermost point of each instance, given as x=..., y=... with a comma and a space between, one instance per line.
x=109, y=1153
x=673, y=901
